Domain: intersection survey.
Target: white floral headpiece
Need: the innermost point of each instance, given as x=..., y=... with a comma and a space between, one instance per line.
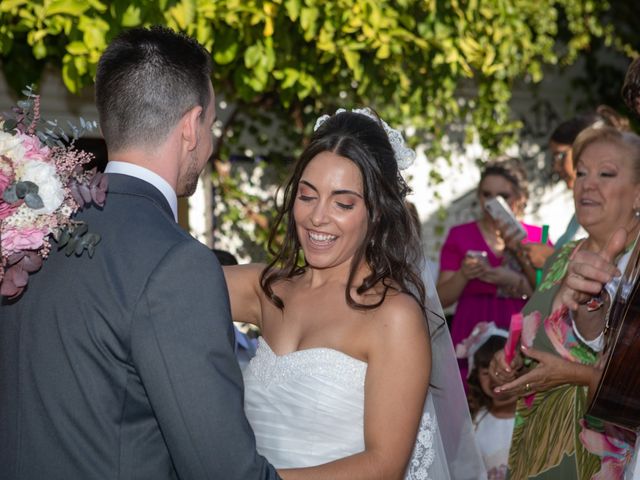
x=404, y=155
x=479, y=335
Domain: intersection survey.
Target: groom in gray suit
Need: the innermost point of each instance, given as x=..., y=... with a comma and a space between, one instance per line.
x=121, y=366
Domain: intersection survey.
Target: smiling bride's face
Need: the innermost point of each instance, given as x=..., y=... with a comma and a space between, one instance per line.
x=329, y=211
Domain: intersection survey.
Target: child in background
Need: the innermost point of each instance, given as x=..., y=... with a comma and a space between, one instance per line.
x=493, y=415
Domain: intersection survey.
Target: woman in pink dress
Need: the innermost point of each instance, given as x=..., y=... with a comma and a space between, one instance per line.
x=488, y=277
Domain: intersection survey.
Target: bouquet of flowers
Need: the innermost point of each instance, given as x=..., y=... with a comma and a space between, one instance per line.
x=43, y=183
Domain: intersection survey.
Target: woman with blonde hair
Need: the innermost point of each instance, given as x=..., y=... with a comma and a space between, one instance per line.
x=553, y=438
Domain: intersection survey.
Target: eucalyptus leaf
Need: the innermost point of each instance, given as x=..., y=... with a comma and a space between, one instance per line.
x=80, y=230
x=70, y=247
x=31, y=187
x=92, y=238
x=21, y=189
x=33, y=201
x=25, y=104
x=79, y=247
x=10, y=195
x=10, y=125
x=64, y=237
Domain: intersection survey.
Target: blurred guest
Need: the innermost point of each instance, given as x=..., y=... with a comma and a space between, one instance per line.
x=631, y=87
x=477, y=269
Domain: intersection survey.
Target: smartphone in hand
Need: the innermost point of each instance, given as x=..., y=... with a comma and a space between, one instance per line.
x=479, y=255
x=500, y=210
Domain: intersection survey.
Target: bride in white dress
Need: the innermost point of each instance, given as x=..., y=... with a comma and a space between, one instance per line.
x=342, y=384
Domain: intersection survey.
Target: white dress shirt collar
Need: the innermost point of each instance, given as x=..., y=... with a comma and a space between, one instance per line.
x=126, y=168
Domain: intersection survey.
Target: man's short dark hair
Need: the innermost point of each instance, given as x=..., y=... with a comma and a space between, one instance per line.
x=147, y=79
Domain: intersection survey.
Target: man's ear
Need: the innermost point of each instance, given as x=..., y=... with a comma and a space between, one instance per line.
x=190, y=123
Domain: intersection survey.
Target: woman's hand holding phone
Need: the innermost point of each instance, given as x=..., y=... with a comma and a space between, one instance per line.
x=475, y=264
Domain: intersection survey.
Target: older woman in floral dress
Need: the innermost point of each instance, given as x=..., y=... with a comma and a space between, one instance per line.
x=553, y=438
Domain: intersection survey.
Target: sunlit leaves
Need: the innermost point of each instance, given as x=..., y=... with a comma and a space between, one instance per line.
x=411, y=59
x=181, y=15
x=225, y=48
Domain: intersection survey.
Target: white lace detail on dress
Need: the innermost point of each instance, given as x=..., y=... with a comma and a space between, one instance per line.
x=423, y=451
x=341, y=368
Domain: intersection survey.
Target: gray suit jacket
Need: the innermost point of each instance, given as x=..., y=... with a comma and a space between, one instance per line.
x=121, y=366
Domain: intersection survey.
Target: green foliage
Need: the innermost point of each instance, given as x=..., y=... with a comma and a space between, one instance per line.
x=428, y=63
x=412, y=59
x=27, y=191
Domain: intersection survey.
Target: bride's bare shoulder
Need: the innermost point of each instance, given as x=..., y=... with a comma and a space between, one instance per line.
x=400, y=316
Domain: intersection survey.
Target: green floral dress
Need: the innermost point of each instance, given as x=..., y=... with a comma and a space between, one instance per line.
x=552, y=437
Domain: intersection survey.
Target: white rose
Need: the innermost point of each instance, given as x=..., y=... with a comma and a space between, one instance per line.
x=11, y=146
x=49, y=187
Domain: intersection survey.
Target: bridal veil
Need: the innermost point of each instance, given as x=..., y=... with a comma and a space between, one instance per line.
x=446, y=446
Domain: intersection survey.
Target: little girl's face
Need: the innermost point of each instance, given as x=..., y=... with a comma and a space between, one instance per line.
x=487, y=385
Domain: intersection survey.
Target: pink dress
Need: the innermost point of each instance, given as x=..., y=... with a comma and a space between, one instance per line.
x=479, y=301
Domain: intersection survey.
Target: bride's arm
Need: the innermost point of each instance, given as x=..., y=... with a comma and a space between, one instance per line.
x=243, y=282
x=399, y=365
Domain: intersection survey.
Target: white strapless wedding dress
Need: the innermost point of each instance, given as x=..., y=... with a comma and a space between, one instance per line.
x=307, y=408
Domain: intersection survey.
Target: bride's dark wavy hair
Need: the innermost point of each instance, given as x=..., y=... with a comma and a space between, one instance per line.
x=391, y=247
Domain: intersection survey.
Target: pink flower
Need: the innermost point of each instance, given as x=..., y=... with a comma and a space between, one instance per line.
x=33, y=148
x=15, y=240
x=478, y=336
x=6, y=179
x=614, y=452
x=557, y=327
x=611, y=468
x=530, y=325
x=602, y=444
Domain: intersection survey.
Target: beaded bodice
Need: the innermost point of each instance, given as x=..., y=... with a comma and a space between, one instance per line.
x=306, y=407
